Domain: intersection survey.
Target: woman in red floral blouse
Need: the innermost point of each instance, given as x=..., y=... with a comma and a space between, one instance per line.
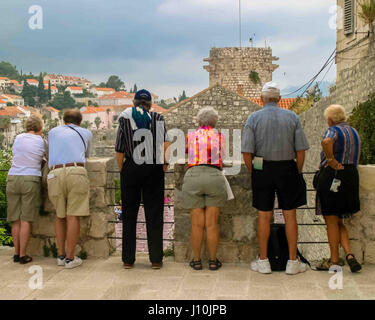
x=204, y=189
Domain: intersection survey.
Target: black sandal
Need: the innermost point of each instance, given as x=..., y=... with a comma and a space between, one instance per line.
x=214, y=264
x=196, y=265
x=16, y=258
x=354, y=265
x=25, y=259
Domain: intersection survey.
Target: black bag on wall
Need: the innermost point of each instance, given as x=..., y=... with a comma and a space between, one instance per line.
x=278, y=249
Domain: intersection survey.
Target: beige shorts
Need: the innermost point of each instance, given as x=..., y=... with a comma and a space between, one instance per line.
x=23, y=197
x=203, y=187
x=69, y=191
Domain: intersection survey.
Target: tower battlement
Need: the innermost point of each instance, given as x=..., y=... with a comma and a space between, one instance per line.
x=242, y=70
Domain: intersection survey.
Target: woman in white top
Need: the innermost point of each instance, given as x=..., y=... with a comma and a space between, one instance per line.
x=24, y=185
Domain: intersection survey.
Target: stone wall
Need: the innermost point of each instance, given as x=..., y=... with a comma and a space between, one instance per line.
x=238, y=223
x=95, y=229
x=231, y=68
x=354, y=87
x=233, y=109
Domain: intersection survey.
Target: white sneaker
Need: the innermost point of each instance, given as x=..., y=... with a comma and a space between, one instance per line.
x=295, y=267
x=73, y=264
x=60, y=262
x=261, y=266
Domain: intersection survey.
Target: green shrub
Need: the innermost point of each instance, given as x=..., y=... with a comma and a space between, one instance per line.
x=254, y=77
x=83, y=255
x=5, y=238
x=5, y=164
x=169, y=252
x=363, y=119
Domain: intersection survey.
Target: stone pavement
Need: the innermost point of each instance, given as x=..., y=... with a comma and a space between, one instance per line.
x=106, y=279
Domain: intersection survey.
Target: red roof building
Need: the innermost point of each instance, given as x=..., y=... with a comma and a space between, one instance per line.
x=285, y=103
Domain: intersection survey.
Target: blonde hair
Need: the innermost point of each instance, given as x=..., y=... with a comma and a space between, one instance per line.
x=33, y=123
x=208, y=116
x=336, y=113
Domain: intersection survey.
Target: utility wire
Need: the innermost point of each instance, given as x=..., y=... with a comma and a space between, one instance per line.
x=331, y=57
x=311, y=83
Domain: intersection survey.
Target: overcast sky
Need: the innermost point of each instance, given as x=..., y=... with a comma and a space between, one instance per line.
x=161, y=44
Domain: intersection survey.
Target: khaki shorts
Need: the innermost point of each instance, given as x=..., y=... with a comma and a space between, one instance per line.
x=69, y=191
x=203, y=187
x=24, y=198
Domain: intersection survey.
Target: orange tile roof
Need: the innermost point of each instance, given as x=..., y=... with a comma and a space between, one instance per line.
x=158, y=109
x=92, y=109
x=116, y=95
x=14, y=81
x=285, y=103
x=4, y=78
x=52, y=87
x=52, y=109
x=11, y=96
x=74, y=88
x=32, y=80
x=104, y=89
x=2, y=101
x=10, y=111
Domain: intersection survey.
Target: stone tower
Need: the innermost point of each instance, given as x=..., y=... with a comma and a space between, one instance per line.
x=242, y=70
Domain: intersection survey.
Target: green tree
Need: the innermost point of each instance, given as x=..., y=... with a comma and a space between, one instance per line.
x=363, y=119
x=63, y=101
x=135, y=89
x=115, y=82
x=97, y=121
x=182, y=97
x=9, y=71
x=86, y=124
x=29, y=93
x=49, y=93
x=367, y=13
x=41, y=91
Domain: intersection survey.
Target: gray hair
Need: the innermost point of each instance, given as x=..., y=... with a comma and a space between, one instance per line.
x=208, y=116
x=336, y=113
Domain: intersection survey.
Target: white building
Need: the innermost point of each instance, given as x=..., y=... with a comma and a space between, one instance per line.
x=67, y=80
x=32, y=82
x=116, y=99
x=102, y=91
x=74, y=90
x=54, y=90
x=13, y=99
x=4, y=82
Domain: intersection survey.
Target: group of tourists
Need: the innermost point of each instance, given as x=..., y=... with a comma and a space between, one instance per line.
x=273, y=149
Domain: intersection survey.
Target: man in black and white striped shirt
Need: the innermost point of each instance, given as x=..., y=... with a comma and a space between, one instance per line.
x=141, y=145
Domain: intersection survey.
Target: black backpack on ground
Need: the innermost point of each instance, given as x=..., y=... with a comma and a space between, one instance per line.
x=278, y=250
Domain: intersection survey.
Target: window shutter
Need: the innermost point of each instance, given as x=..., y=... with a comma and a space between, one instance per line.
x=349, y=17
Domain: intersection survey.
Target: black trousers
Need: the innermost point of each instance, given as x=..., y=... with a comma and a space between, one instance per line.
x=144, y=182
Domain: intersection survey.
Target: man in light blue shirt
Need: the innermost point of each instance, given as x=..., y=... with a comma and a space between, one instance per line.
x=68, y=183
x=273, y=148
x=67, y=146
